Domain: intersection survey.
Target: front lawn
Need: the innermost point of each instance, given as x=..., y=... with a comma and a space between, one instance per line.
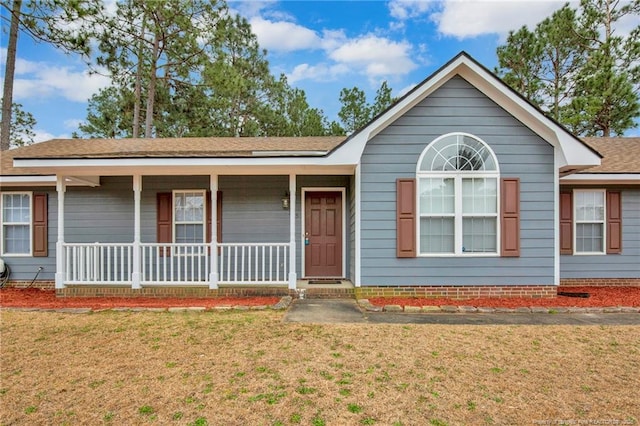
x=240, y=368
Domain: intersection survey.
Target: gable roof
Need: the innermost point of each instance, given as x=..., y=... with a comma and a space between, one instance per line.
x=573, y=153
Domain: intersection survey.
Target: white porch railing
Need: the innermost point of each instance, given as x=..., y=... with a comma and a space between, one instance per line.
x=177, y=264
x=98, y=263
x=253, y=263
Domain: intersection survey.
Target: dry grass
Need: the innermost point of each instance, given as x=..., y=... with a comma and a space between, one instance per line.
x=238, y=368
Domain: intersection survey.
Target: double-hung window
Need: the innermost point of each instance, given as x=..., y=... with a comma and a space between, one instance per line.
x=590, y=216
x=16, y=223
x=458, y=197
x=189, y=216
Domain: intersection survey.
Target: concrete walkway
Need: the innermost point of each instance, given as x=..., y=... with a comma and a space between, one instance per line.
x=342, y=311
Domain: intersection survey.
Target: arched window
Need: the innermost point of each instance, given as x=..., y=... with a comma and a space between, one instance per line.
x=458, y=196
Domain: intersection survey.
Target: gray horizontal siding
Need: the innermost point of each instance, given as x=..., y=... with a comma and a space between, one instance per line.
x=252, y=212
x=623, y=265
x=457, y=107
x=25, y=268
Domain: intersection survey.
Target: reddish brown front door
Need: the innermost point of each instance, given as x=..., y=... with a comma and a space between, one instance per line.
x=323, y=234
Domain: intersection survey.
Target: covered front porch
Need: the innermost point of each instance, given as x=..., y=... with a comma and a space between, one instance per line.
x=222, y=231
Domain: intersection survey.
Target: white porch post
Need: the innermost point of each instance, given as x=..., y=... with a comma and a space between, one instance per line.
x=60, y=258
x=137, y=190
x=292, y=232
x=357, y=259
x=213, y=274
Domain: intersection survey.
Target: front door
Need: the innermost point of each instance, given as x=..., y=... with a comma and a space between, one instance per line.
x=323, y=234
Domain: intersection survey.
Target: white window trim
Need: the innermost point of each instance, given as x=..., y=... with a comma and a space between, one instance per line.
x=575, y=224
x=458, y=216
x=204, y=214
x=2, y=252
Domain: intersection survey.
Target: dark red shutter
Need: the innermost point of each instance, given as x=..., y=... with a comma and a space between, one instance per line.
x=164, y=219
x=566, y=222
x=406, y=218
x=40, y=229
x=510, y=217
x=614, y=222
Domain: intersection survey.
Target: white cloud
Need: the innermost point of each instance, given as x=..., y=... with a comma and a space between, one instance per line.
x=376, y=56
x=72, y=123
x=471, y=18
x=43, y=80
x=320, y=72
x=405, y=9
x=283, y=36
x=43, y=135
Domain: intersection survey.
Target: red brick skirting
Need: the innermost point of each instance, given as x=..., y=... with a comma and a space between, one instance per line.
x=459, y=292
x=159, y=292
x=600, y=282
x=45, y=285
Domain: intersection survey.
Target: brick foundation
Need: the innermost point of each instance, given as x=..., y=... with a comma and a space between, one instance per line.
x=203, y=292
x=459, y=292
x=45, y=285
x=159, y=292
x=325, y=293
x=600, y=282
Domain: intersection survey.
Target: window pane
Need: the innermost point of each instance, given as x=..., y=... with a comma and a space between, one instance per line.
x=16, y=239
x=179, y=202
x=189, y=233
x=479, y=195
x=16, y=208
x=479, y=234
x=195, y=204
x=189, y=207
x=436, y=235
x=589, y=206
x=589, y=238
x=437, y=196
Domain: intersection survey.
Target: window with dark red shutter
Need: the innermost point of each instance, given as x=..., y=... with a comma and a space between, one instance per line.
x=40, y=227
x=164, y=219
x=614, y=222
x=406, y=218
x=510, y=217
x=566, y=222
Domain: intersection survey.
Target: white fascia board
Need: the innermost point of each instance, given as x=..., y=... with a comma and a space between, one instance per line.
x=352, y=150
x=573, y=152
x=36, y=180
x=45, y=163
x=601, y=178
x=48, y=180
x=182, y=166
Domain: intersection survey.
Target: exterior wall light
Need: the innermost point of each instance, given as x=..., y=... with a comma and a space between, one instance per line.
x=285, y=201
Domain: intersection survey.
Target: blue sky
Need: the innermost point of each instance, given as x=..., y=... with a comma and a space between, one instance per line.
x=322, y=47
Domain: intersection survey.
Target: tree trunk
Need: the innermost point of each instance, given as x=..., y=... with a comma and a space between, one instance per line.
x=151, y=94
x=138, y=89
x=10, y=68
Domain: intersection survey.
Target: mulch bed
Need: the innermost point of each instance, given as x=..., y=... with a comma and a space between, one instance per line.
x=598, y=297
x=37, y=298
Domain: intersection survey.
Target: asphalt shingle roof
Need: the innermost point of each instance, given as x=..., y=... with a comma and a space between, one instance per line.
x=620, y=155
x=214, y=147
